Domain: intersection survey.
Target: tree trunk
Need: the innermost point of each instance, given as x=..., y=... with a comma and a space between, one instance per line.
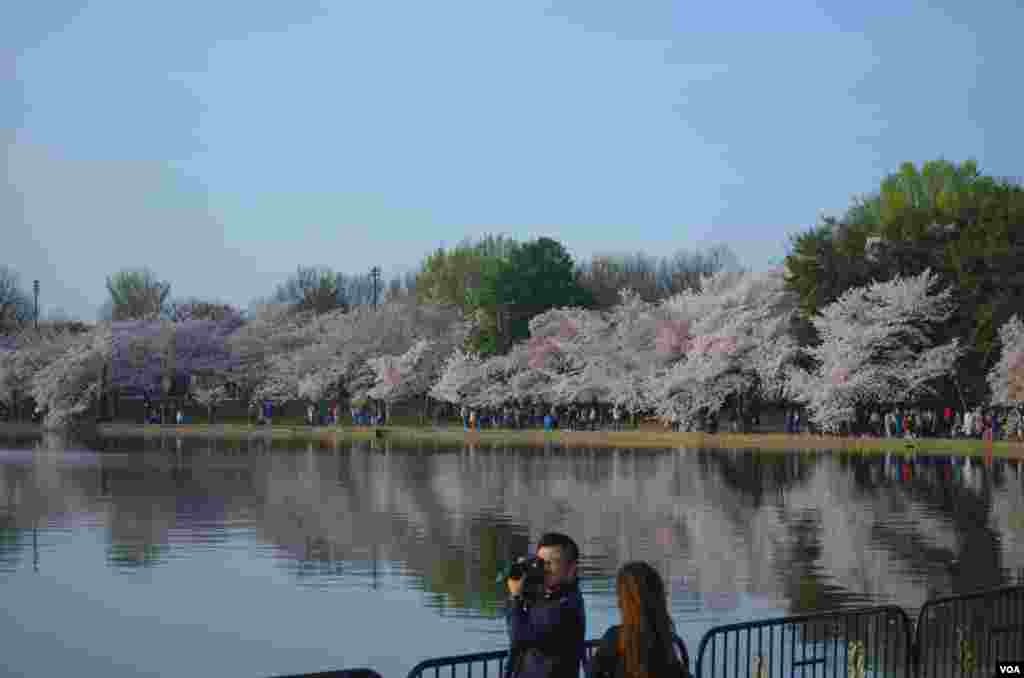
x=209, y=415
x=960, y=393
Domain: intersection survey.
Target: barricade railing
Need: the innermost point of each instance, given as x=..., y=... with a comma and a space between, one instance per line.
x=487, y=659
x=339, y=673
x=966, y=635
x=862, y=642
x=484, y=660
x=960, y=636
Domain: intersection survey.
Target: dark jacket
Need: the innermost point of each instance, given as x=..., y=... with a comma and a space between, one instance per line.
x=608, y=663
x=547, y=637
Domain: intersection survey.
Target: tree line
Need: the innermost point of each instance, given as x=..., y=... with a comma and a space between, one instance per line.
x=913, y=291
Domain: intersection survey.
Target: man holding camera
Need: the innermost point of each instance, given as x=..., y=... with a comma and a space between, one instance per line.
x=545, y=615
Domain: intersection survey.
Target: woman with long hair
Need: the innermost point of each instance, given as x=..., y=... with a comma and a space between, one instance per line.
x=643, y=645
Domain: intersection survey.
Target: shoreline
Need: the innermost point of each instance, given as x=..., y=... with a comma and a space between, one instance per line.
x=537, y=438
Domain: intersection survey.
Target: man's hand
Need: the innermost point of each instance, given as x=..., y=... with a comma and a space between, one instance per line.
x=515, y=586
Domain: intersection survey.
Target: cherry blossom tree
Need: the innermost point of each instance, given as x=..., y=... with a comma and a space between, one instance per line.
x=646, y=340
x=146, y=351
x=733, y=334
x=462, y=378
x=267, y=350
x=627, y=355
x=67, y=386
x=26, y=354
x=331, y=352
x=411, y=374
x=1006, y=378
x=209, y=388
x=876, y=348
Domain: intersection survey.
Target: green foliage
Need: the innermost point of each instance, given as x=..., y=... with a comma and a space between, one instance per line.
x=820, y=267
x=448, y=276
x=967, y=227
x=501, y=284
x=540, y=276
x=468, y=276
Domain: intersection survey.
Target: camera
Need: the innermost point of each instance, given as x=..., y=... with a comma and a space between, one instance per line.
x=532, y=569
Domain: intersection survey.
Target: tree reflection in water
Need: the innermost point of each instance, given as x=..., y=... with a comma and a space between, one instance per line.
x=807, y=530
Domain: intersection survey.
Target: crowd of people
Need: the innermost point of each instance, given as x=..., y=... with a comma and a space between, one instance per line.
x=916, y=422
x=573, y=417
x=327, y=415
x=894, y=422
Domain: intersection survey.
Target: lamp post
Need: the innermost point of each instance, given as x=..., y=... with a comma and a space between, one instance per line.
x=166, y=383
x=35, y=288
x=375, y=276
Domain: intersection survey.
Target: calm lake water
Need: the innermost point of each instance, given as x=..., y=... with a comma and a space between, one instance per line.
x=181, y=557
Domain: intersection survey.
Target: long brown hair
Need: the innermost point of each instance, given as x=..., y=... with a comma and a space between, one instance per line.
x=646, y=636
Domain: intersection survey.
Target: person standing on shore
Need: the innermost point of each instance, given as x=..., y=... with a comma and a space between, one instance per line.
x=547, y=629
x=643, y=645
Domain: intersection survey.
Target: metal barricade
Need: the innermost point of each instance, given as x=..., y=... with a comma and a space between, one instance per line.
x=340, y=673
x=859, y=643
x=490, y=664
x=955, y=636
x=966, y=635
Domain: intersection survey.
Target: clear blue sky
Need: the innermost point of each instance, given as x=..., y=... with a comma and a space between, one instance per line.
x=224, y=143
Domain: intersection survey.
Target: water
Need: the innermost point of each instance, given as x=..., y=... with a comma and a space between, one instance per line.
x=188, y=557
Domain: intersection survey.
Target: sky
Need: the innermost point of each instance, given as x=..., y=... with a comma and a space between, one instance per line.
x=223, y=144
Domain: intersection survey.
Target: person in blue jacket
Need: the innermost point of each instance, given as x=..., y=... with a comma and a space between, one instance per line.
x=547, y=633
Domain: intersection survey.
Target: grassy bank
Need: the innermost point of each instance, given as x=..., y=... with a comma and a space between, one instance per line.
x=621, y=439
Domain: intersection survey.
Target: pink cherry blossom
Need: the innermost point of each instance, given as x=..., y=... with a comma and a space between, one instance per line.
x=840, y=375
x=672, y=336
x=539, y=348
x=1006, y=378
x=391, y=375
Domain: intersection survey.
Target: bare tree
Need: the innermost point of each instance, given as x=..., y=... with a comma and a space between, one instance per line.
x=401, y=286
x=312, y=288
x=652, y=278
x=16, y=307
x=137, y=294
x=322, y=290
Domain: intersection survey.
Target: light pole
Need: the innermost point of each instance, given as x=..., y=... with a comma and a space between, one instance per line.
x=35, y=288
x=167, y=383
x=375, y=276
